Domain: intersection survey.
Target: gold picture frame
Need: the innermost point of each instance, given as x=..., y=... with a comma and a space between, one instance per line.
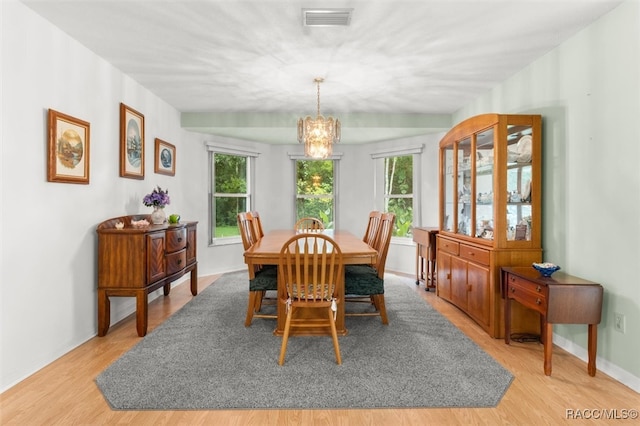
x=131, y=143
x=68, y=149
x=165, y=158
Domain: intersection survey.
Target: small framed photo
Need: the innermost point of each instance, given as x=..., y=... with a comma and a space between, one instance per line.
x=521, y=232
x=131, y=143
x=165, y=158
x=68, y=150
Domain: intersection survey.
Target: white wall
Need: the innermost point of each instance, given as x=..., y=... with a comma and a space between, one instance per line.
x=588, y=92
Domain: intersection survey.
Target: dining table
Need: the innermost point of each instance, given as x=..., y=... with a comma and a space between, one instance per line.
x=266, y=251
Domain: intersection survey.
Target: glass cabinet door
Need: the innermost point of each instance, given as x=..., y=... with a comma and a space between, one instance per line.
x=465, y=154
x=484, y=184
x=519, y=176
x=448, y=189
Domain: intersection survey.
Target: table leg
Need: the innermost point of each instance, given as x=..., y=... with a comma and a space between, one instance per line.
x=548, y=347
x=593, y=346
x=418, y=264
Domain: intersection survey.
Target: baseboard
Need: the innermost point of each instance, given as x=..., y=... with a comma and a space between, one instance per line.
x=603, y=365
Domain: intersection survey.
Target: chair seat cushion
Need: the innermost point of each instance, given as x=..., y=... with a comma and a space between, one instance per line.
x=362, y=280
x=311, y=290
x=265, y=279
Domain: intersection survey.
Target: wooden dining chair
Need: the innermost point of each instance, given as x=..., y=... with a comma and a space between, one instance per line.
x=311, y=271
x=262, y=278
x=257, y=224
x=365, y=283
x=307, y=224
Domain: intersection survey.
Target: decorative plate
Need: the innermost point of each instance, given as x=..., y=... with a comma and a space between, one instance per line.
x=523, y=149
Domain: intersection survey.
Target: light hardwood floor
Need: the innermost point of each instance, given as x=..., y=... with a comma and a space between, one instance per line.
x=64, y=392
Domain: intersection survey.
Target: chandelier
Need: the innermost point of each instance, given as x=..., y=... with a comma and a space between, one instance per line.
x=318, y=134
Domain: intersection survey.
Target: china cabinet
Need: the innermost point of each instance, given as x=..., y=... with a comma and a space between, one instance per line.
x=490, y=214
x=134, y=261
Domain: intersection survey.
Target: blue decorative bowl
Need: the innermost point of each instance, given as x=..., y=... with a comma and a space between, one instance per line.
x=546, y=268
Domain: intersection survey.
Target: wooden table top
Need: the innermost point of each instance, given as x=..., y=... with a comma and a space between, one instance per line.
x=267, y=250
x=558, y=278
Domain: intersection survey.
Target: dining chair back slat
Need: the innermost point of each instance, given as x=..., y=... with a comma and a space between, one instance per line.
x=311, y=272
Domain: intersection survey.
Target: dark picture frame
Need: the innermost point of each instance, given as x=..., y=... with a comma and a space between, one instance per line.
x=68, y=158
x=165, y=158
x=131, y=143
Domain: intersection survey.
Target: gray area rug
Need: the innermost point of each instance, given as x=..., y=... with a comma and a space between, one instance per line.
x=203, y=358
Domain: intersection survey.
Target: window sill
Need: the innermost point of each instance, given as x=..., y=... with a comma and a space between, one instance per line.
x=225, y=241
x=402, y=241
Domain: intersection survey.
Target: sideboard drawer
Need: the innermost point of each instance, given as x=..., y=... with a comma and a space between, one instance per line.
x=449, y=246
x=176, y=261
x=474, y=254
x=176, y=239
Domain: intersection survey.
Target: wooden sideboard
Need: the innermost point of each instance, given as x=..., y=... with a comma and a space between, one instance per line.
x=425, y=239
x=135, y=261
x=560, y=299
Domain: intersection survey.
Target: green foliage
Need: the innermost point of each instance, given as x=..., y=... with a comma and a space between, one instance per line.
x=230, y=178
x=399, y=181
x=398, y=175
x=315, y=179
x=230, y=174
x=403, y=208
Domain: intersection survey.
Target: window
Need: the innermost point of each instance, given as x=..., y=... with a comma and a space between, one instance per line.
x=398, y=192
x=398, y=187
x=230, y=192
x=315, y=195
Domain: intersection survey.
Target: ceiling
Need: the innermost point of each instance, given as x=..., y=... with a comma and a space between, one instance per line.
x=246, y=69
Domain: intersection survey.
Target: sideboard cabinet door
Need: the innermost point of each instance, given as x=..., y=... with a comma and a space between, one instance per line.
x=156, y=264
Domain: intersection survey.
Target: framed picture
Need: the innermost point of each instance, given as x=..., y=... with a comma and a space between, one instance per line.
x=131, y=143
x=68, y=149
x=165, y=158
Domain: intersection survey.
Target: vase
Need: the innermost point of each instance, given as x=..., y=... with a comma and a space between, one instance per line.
x=158, y=216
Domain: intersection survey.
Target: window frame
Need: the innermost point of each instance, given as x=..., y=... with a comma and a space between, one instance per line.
x=380, y=194
x=336, y=179
x=251, y=156
x=298, y=197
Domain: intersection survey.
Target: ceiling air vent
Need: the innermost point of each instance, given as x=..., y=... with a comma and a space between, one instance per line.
x=326, y=17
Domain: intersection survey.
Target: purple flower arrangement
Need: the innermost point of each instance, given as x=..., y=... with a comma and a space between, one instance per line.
x=157, y=198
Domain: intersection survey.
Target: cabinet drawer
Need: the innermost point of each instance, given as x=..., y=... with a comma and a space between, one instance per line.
x=474, y=254
x=529, y=294
x=176, y=261
x=449, y=246
x=176, y=239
